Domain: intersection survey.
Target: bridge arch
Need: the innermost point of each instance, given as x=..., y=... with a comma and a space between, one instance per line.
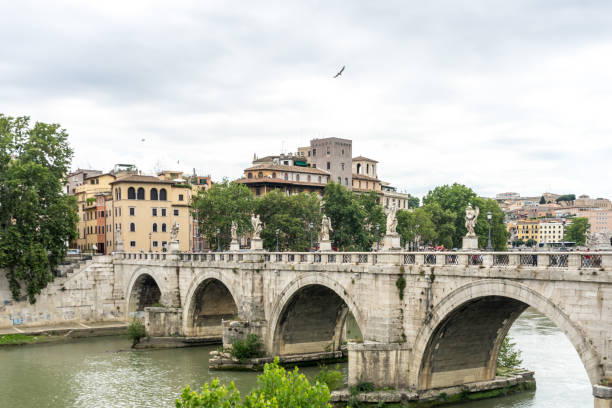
x=210, y=299
x=314, y=308
x=461, y=339
x=144, y=290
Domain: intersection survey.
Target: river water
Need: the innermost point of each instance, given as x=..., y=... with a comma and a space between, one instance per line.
x=95, y=373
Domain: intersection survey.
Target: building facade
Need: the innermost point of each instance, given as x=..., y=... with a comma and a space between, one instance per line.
x=263, y=178
x=333, y=155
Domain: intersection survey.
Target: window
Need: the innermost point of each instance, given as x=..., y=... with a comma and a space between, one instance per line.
x=133, y=244
x=308, y=177
x=164, y=227
x=163, y=212
x=250, y=175
x=154, y=195
x=328, y=165
x=141, y=194
x=343, y=152
x=339, y=180
x=328, y=151
x=163, y=196
x=346, y=181
x=297, y=177
x=274, y=175
x=132, y=211
x=155, y=244
x=319, y=179
x=342, y=166
x=257, y=191
x=367, y=168
x=176, y=213
x=164, y=243
x=131, y=193
x=154, y=212
x=180, y=197
x=154, y=227
x=358, y=168
x=118, y=193
x=132, y=227
x=286, y=176
x=286, y=162
x=260, y=175
x=314, y=152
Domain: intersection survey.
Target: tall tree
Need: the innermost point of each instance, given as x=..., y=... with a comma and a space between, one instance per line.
x=291, y=216
x=36, y=219
x=577, y=231
x=415, y=226
x=455, y=199
x=375, y=216
x=347, y=217
x=218, y=206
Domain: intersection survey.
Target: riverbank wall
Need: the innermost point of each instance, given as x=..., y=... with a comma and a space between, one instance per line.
x=86, y=294
x=520, y=381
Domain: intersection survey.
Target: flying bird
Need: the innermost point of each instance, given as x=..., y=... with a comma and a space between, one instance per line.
x=340, y=72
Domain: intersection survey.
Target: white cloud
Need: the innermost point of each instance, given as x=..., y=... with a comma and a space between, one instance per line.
x=501, y=96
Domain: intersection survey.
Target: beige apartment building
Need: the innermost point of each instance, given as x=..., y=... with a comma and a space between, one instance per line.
x=144, y=208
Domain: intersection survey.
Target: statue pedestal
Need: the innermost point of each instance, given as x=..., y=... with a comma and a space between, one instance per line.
x=391, y=243
x=234, y=245
x=325, y=246
x=119, y=246
x=173, y=247
x=256, y=244
x=470, y=243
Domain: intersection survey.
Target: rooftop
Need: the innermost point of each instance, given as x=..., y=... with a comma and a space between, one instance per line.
x=282, y=167
x=362, y=158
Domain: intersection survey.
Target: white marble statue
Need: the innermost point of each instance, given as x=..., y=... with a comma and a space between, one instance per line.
x=234, y=231
x=326, y=228
x=599, y=240
x=471, y=216
x=174, y=231
x=392, y=220
x=256, y=224
x=117, y=236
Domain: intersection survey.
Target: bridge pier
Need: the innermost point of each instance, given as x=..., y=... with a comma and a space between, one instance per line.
x=382, y=364
x=603, y=396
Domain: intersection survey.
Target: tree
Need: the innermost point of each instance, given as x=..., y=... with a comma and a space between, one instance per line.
x=542, y=200
x=566, y=197
x=375, y=215
x=218, y=206
x=413, y=202
x=531, y=242
x=36, y=219
x=509, y=356
x=415, y=226
x=577, y=231
x=518, y=242
x=447, y=206
x=291, y=216
x=347, y=217
x=276, y=388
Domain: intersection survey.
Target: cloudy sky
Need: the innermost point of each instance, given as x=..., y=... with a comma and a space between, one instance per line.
x=498, y=95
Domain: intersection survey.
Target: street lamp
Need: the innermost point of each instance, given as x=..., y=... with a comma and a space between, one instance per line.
x=489, y=216
x=218, y=242
x=277, y=231
x=377, y=237
x=150, y=242
x=310, y=226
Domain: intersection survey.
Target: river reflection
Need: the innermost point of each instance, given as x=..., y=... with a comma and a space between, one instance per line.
x=92, y=373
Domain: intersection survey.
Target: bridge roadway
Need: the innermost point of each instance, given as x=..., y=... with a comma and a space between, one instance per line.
x=428, y=320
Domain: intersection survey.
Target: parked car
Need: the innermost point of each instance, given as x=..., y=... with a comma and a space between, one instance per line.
x=74, y=251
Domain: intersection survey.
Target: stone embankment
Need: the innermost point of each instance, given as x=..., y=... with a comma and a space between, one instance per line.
x=223, y=360
x=520, y=381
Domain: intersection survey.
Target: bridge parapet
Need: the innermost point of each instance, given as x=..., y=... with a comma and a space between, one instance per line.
x=587, y=260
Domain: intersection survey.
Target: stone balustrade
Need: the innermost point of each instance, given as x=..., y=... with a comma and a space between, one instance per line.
x=595, y=260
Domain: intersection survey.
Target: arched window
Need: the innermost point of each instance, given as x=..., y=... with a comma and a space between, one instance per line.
x=260, y=175
x=131, y=193
x=154, y=194
x=274, y=175
x=162, y=194
x=154, y=227
x=286, y=176
x=164, y=227
x=117, y=194
x=250, y=175
x=132, y=227
x=368, y=168
x=140, y=194
x=346, y=181
x=358, y=168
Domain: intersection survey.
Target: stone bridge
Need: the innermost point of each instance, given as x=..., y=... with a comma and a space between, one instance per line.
x=427, y=320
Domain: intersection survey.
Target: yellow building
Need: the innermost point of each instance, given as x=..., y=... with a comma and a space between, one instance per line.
x=145, y=208
x=528, y=229
x=291, y=179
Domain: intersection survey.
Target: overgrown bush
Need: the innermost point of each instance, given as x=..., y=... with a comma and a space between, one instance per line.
x=509, y=357
x=136, y=331
x=331, y=378
x=252, y=347
x=276, y=388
